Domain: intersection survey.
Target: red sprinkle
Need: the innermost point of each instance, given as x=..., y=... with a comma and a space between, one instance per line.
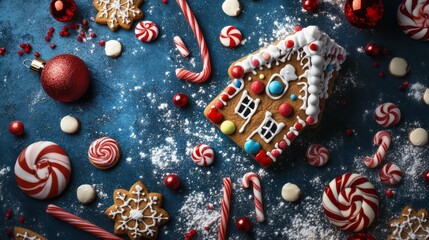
x=51, y=30
x=389, y=193
x=22, y=45
x=20, y=53
x=375, y=64
x=84, y=22
x=47, y=38
x=349, y=132
x=165, y=1
x=65, y=28
x=74, y=26
x=49, y=34
x=102, y=43
x=27, y=49
x=9, y=213
x=79, y=39
x=381, y=74
x=1, y=51
x=82, y=34
x=405, y=84
x=37, y=54
x=52, y=45
x=21, y=219
x=93, y=35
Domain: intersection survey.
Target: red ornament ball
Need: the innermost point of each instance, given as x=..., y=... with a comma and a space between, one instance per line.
x=172, y=181
x=310, y=5
x=372, y=49
x=180, y=100
x=65, y=78
x=237, y=72
x=361, y=236
x=16, y=128
x=426, y=176
x=364, y=13
x=244, y=224
x=285, y=109
x=63, y=10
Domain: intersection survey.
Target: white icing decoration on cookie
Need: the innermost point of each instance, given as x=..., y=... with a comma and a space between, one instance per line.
x=287, y=73
x=246, y=108
x=411, y=225
x=27, y=237
x=113, y=48
x=118, y=9
x=268, y=129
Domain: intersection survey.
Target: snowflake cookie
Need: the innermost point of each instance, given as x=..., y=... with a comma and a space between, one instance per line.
x=410, y=225
x=25, y=234
x=137, y=212
x=118, y=13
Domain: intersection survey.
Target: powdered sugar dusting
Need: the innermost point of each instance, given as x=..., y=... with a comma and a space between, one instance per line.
x=416, y=91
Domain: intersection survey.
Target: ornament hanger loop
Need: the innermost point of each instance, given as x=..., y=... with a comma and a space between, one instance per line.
x=26, y=61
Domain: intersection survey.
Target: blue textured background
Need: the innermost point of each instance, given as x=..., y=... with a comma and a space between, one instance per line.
x=130, y=100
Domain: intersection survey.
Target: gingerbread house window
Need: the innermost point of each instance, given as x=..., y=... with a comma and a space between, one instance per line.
x=246, y=108
x=269, y=128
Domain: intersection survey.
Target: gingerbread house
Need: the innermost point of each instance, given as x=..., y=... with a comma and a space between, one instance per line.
x=277, y=92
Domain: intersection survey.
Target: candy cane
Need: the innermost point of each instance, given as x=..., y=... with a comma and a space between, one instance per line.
x=181, y=46
x=226, y=198
x=383, y=139
x=257, y=195
x=78, y=222
x=205, y=73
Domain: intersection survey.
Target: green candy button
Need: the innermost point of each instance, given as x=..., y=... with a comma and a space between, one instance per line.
x=227, y=127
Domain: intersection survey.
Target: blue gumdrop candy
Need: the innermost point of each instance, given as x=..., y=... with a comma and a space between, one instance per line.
x=275, y=88
x=252, y=147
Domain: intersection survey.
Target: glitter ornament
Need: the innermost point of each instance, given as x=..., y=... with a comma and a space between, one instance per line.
x=64, y=78
x=364, y=13
x=244, y=224
x=16, y=128
x=172, y=181
x=372, y=49
x=361, y=236
x=310, y=5
x=63, y=10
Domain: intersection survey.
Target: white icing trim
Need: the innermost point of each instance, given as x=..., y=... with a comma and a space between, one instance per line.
x=246, y=106
x=237, y=90
x=268, y=117
x=303, y=98
x=287, y=73
x=27, y=237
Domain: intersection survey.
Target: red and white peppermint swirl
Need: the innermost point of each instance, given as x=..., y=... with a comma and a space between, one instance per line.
x=202, y=155
x=413, y=18
x=181, y=46
x=43, y=170
x=387, y=115
x=390, y=174
x=381, y=138
x=317, y=155
x=257, y=193
x=350, y=202
x=146, y=31
x=230, y=36
x=104, y=152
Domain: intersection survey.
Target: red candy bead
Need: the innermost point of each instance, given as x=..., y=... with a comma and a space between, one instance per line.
x=381, y=74
x=172, y=181
x=237, y=72
x=79, y=39
x=244, y=224
x=297, y=28
x=257, y=87
x=16, y=128
x=165, y=1
x=37, y=54
x=361, y=236
x=9, y=213
x=180, y=100
x=21, y=219
x=343, y=102
x=313, y=47
x=372, y=49
x=20, y=53
x=9, y=232
x=285, y=109
x=426, y=176
x=27, y=49
x=47, y=38
x=289, y=44
x=309, y=5
x=102, y=43
x=389, y=193
x=52, y=45
x=93, y=35
x=364, y=13
x=349, y=132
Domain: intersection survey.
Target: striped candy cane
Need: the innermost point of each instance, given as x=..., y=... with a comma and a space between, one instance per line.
x=80, y=223
x=181, y=46
x=383, y=139
x=205, y=73
x=257, y=194
x=226, y=199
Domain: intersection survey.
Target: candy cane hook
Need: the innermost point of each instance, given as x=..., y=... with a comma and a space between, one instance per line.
x=383, y=139
x=257, y=193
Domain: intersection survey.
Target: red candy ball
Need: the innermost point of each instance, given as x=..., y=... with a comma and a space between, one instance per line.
x=426, y=176
x=180, y=100
x=237, y=72
x=16, y=128
x=63, y=10
x=244, y=224
x=389, y=193
x=285, y=109
x=309, y=5
x=372, y=49
x=65, y=78
x=257, y=87
x=349, y=132
x=364, y=13
x=172, y=181
x=361, y=236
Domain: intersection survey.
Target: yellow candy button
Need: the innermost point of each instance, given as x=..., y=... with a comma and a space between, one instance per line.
x=227, y=127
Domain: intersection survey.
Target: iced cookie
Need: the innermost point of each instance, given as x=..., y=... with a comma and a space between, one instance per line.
x=104, y=153
x=410, y=225
x=137, y=213
x=25, y=234
x=117, y=13
x=299, y=71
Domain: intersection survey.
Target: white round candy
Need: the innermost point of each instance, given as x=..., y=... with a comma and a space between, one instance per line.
x=398, y=67
x=113, y=48
x=231, y=8
x=85, y=193
x=418, y=137
x=69, y=124
x=290, y=192
x=426, y=96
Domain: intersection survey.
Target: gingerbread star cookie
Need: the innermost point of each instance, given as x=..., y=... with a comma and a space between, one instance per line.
x=137, y=212
x=118, y=13
x=25, y=234
x=410, y=225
